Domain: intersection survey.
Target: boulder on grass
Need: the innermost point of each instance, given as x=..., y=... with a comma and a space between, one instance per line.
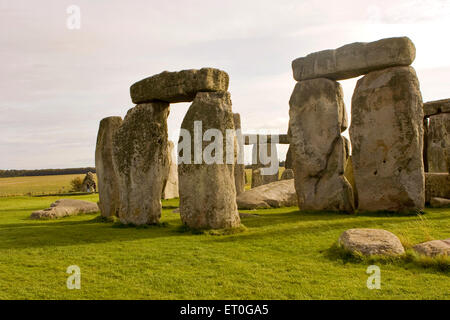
x=433, y=248
x=272, y=195
x=371, y=242
x=440, y=203
x=65, y=207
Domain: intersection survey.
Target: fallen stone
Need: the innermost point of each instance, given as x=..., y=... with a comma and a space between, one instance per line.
x=355, y=59
x=207, y=191
x=433, y=248
x=179, y=86
x=287, y=174
x=438, y=143
x=437, y=185
x=273, y=195
x=171, y=182
x=371, y=242
x=108, y=189
x=141, y=162
x=65, y=207
x=435, y=107
x=439, y=203
x=387, y=140
x=316, y=120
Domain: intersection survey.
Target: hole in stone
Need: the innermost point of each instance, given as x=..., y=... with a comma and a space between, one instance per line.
x=376, y=172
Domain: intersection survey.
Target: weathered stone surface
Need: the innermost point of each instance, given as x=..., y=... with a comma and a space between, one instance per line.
x=433, y=248
x=65, y=207
x=141, y=162
x=258, y=178
x=316, y=120
x=239, y=167
x=273, y=195
x=207, y=191
x=287, y=174
x=435, y=107
x=355, y=59
x=288, y=162
x=439, y=202
x=348, y=174
x=89, y=184
x=171, y=182
x=179, y=86
x=250, y=139
x=371, y=242
x=437, y=185
x=108, y=188
x=438, y=143
x=387, y=138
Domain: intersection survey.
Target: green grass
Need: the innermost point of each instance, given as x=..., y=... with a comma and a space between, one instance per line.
x=281, y=254
x=40, y=185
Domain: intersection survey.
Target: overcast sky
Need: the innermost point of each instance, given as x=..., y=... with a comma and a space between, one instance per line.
x=57, y=84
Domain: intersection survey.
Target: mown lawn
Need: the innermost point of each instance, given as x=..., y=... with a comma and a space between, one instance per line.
x=283, y=254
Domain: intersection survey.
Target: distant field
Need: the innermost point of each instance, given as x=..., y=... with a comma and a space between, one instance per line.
x=19, y=186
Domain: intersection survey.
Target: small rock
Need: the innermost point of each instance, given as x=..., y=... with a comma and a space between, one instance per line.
x=433, y=248
x=371, y=242
x=65, y=207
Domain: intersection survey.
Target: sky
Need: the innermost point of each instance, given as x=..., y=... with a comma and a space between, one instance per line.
x=57, y=83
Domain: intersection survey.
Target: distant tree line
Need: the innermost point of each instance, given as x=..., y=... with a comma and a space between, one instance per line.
x=44, y=172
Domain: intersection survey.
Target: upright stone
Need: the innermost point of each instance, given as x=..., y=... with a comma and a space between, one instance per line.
x=108, y=188
x=207, y=190
x=316, y=120
x=438, y=144
x=259, y=153
x=141, y=162
x=355, y=59
x=239, y=167
x=387, y=139
x=171, y=182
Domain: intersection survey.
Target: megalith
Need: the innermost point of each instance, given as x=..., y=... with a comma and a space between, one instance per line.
x=438, y=143
x=316, y=119
x=239, y=167
x=387, y=138
x=260, y=152
x=207, y=189
x=108, y=188
x=140, y=158
x=171, y=182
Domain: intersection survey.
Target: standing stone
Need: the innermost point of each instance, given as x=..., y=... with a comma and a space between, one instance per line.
x=171, y=183
x=108, y=188
x=257, y=156
x=316, y=120
x=207, y=191
x=435, y=107
x=355, y=59
x=387, y=138
x=141, y=162
x=287, y=174
x=437, y=185
x=239, y=167
x=438, y=143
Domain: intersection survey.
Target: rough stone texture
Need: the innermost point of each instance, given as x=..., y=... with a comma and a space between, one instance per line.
x=239, y=169
x=250, y=139
x=273, y=195
x=89, y=184
x=65, y=207
x=258, y=178
x=141, y=162
x=316, y=120
x=439, y=203
x=355, y=59
x=433, y=248
x=387, y=139
x=207, y=191
x=371, y=242
x=287, y=174
x=434, y=107
x=438, y=143
x=437, y=185
x=171, y=182
x=179, y=86
x=288, y=162
x=108, y=188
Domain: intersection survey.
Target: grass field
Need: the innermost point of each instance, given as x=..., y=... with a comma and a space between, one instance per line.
x=282, y=254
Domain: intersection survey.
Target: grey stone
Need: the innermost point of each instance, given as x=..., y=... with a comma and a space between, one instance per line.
x=239, y=168
x=273, y=195
x=316, y=120
x=287, y=174
x=438, y=143
x=371, y=242
x=65, y=207
x=207, y=191
x=355, y=59
x=437, y=185
x=387, y=139
x=439, y=202
x=258, y=178
x=433, y=248
x=141, y=162
x=179, y=86
x=108, y=188
x=435, y=107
